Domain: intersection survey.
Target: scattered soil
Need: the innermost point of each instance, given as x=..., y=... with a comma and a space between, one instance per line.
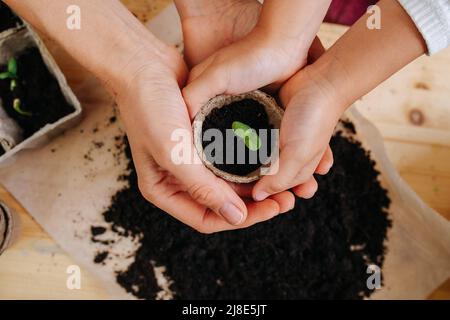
x=422, y=86
x=38, y=91
x=101, y=257
x=96, y=231
x=8, y=19
x=112, y=120
x=349, y=126
x=303, y=254
x=249, y=112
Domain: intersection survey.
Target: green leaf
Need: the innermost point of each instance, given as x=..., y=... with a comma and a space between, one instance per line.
x=5, y=75
x=17, y=104
x=248, y=134
x=12, y=67
x=13, y=85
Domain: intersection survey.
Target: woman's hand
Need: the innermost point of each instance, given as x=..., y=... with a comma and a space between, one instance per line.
x=209, y=26
x=312, y=111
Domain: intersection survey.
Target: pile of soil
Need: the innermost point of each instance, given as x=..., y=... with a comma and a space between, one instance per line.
x=8, y=19
x=38, y=91
x=249, y=112
x=304, y=254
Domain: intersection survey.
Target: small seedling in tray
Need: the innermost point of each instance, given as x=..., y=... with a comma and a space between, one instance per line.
x=11, y=73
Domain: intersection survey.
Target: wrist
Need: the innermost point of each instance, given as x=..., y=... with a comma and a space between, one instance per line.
x=293, y=21
x=333, y=79
x=188, y=8
x=313, y=85
x=137, y=57
x=374, y=56
x=292, y=53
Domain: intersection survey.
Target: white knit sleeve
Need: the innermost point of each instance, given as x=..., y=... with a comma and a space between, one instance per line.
x=432, y=18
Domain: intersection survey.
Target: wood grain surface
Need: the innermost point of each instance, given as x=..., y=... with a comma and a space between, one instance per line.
x=412, y=111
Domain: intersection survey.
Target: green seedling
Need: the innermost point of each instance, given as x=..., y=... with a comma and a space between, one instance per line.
x=247, y=134
x=11, y=72
x=13, y=85
x=17, y=105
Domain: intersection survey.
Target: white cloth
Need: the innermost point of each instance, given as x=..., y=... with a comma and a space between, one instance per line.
x=432, y=18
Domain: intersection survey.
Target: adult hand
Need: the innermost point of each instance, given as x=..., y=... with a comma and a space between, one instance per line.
x=208, y=26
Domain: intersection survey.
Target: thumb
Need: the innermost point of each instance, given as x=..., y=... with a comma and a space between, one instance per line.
x=295, y=168
x=208, y=82
x=210, y=191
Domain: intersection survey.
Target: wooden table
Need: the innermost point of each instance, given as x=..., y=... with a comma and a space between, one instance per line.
x=412, y=111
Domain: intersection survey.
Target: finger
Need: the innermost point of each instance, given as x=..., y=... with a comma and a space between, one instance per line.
x=257, y=212
x=189, y=207
x=199, y=69
x=153, y=187
x=211, y=82
x=306, y=190
x=326, y=163
x=210, y=191
x=294, y=169
x=285, y=200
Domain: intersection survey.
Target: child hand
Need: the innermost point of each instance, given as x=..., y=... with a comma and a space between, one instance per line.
x=251, y=63
x=308, y=123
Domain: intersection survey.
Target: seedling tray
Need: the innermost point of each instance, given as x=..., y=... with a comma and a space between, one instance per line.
x=12, y=44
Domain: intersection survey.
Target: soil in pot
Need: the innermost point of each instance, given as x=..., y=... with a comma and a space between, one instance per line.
x=249, y=112
x=41, y=100
x=8, y=19
x=321, y=249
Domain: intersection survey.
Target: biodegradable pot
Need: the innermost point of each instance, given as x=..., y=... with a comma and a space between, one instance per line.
x=11, y=45
x=6, y=227
x=274, y=113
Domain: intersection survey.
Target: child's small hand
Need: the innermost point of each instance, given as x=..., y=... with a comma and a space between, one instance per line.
x=312, y=111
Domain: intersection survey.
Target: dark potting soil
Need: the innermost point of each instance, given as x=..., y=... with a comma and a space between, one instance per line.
x=303, y=254
x=101, y=257
x=8, y=19
x=249, y=112
x=38, y=91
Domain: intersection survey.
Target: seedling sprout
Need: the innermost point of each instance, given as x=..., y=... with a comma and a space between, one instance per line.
x=11, y=73
x=247, y=134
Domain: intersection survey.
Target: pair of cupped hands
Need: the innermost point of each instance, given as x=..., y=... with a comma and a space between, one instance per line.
x=228, y=52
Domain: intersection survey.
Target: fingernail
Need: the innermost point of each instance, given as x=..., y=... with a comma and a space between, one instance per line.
x=232, y=214
x=261, y=195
